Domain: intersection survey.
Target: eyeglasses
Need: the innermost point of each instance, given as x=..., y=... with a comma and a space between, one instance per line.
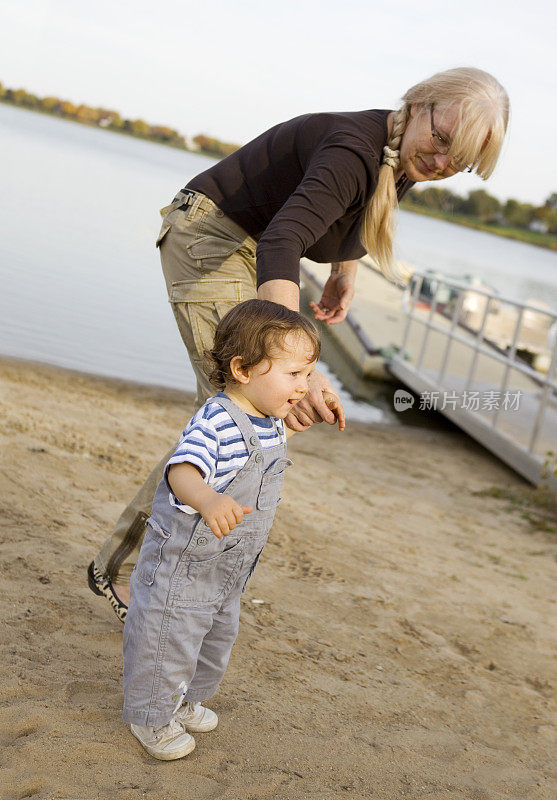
x=441, y=144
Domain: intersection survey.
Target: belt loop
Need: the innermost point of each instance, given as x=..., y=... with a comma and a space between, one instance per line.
x=192, y=198
x=189, y=197
x=197, y=202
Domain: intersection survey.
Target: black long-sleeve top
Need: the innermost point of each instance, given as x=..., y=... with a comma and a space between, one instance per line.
x=300, y=188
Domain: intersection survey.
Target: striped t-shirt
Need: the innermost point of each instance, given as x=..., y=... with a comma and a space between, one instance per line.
x=213, y=442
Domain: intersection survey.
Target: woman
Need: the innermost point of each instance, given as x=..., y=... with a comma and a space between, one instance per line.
x=324, y=186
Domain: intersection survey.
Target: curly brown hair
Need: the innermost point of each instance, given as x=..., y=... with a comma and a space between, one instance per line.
x=254, y=330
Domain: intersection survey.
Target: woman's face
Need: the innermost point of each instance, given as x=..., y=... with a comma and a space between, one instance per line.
x=418, y=157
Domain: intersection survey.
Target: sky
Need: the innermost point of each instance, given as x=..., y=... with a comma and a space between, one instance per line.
x=233, y=68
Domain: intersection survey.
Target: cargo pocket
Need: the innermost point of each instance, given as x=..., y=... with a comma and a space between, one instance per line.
x=150, y=555
x=217, y=238
x=271, y=482
x=198, y=307
x=165, y=227
x=207, y=581
x=204, y=247
x=180, y=214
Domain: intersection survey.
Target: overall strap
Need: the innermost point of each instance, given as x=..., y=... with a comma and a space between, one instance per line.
x=242, y=421
x=277, y=430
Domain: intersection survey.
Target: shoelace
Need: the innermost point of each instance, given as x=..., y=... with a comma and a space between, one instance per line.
x=172, y=728
x=190, y=710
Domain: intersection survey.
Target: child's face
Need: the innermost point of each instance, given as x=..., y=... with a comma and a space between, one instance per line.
x=273, y=391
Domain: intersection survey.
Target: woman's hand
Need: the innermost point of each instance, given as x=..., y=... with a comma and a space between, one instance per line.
x=337, y=296
x=333, y=403
x=315, y=407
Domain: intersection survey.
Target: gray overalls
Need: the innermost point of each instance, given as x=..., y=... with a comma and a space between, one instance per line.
x=186, y=587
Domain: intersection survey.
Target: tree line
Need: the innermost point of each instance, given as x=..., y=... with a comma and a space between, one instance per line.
x=112, y=120
x=486, y=209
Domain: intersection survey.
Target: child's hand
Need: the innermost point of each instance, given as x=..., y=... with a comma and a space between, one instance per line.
x=222, y=513
x=333, y=403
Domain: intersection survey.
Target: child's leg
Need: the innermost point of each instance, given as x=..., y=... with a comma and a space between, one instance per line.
x=161, y=647
x=216, y=647
x=184, y=644
x=215, y=650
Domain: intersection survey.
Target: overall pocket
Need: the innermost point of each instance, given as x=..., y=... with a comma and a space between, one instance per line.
x=150, y=555
x=207, y=580
x=271, y=483
x=252, y=568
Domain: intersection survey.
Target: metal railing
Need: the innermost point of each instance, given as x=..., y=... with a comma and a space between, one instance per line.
x=476, y=342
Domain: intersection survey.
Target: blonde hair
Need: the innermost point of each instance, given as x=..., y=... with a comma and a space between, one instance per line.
x=483, y=115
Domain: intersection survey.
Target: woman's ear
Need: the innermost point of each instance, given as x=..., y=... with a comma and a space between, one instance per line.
x=238, y=371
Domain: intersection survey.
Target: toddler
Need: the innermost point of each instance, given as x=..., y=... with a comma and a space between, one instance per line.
x=211, y=515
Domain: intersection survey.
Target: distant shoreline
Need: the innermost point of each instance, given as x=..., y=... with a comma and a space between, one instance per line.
x=518, y=234
x=117, y=131
x=545, y=241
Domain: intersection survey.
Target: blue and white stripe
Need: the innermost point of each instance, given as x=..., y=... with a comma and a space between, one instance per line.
x=212, y=441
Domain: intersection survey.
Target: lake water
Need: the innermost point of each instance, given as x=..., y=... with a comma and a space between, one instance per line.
x=81, y=278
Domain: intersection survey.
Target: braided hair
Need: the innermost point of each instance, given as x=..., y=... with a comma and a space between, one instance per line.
x=378, y=223
x=483, y=115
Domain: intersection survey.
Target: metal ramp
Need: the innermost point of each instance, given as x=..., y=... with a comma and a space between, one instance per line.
x=489, y=391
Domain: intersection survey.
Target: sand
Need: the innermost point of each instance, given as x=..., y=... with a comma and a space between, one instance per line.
x=403, y=648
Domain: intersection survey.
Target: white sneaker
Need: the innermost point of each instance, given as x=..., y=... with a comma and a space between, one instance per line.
x=166, y=743
x=196, y=717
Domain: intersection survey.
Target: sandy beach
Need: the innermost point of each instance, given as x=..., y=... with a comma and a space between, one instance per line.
x=403, y=648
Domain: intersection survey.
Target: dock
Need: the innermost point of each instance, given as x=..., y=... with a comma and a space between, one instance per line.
x=476, y=377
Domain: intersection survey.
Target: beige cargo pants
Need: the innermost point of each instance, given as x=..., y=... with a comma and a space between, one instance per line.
x=208, y=263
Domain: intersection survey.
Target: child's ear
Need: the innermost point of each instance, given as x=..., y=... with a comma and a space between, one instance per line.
x=239, y=372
